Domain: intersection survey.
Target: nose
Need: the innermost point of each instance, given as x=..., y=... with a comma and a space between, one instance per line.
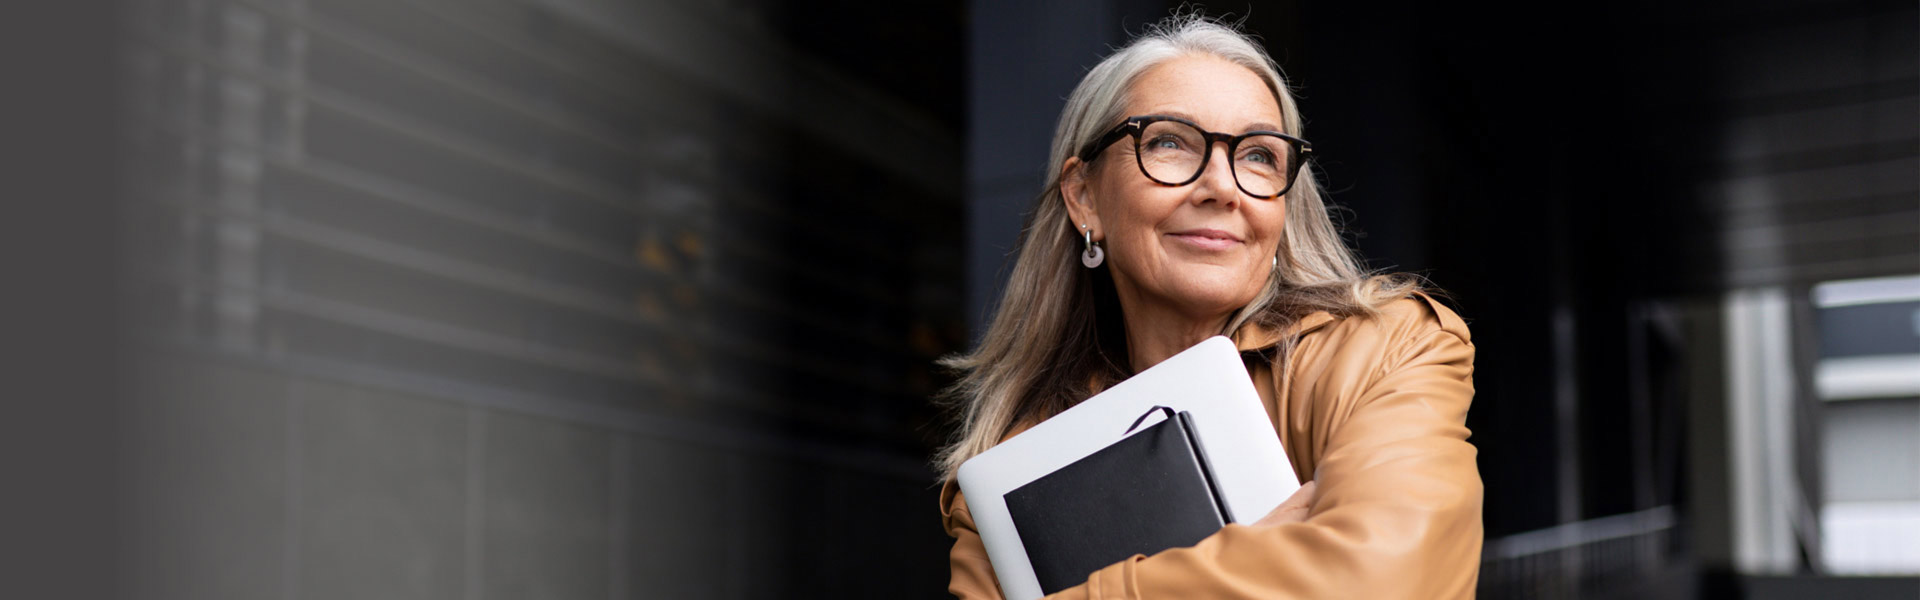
x=1216, y=178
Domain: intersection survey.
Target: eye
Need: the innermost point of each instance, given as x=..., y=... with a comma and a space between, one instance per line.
x=1262, y=150
x=1165, y=142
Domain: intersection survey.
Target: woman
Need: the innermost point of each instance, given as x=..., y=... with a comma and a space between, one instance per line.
x=1177, y=209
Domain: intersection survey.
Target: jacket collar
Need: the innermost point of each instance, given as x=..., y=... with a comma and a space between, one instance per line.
x=1254, y=336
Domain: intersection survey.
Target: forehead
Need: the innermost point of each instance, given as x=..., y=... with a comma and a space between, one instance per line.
x=1217, y=94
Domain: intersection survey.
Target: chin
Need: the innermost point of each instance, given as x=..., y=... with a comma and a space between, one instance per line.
x=1216, y=298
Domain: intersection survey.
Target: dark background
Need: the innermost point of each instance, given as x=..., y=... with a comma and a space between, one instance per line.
x=550, y=298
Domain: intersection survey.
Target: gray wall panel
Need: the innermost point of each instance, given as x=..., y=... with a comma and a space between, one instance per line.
x=382, y=494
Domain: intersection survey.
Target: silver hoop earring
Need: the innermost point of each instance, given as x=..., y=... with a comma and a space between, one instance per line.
x=1276, y=261
x=1094, y=255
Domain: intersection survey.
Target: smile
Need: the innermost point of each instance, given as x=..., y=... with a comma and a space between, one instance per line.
x=1207, y=239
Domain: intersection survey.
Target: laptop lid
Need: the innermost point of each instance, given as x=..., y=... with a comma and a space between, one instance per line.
x=1208, y=381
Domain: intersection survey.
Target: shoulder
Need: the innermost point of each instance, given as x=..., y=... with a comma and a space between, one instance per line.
x=1420, y=315
x=1398, y=330
x=1415, y=316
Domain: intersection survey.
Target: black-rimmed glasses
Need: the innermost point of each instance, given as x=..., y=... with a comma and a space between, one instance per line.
x=1174, y=151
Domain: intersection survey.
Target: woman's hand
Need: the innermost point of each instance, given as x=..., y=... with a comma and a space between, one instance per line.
x=1293, y=510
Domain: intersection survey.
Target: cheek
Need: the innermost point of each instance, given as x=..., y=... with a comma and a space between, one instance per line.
x=1135, y=239
x=1127, y=215
x=1274, y=229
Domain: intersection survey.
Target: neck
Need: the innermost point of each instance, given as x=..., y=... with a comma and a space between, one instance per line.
x=1156, y=333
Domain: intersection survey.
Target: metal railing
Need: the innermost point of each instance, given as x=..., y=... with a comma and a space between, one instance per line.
x=1581, y=558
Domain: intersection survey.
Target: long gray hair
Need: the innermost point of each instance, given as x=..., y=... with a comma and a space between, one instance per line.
x=1057, y=336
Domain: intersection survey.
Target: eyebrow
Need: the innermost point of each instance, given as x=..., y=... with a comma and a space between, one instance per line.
x=1255, y=126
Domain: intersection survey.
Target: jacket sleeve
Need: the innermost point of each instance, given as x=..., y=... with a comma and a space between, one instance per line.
x=972, y=570
x=1398, y=512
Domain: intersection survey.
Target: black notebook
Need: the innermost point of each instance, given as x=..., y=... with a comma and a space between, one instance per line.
x=1144, y=493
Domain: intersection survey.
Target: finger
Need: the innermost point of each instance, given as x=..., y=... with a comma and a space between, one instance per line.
x=1303, y=497
x=1295, y=509
x=1285, y=514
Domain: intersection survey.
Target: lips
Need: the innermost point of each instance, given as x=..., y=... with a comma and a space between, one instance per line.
x=1207, y=239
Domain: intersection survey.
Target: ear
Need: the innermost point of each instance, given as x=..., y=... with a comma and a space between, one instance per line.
x=1073, y=192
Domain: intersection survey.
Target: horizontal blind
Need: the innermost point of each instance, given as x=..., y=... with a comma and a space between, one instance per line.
x=1818, y=170
x=539, y=202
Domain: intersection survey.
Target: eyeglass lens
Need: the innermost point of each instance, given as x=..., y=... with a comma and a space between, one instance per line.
x=1173, y=153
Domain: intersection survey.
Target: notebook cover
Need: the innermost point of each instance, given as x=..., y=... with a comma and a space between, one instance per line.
x=1147, y=492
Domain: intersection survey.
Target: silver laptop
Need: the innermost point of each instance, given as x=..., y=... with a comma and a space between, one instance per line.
x=1207, y=380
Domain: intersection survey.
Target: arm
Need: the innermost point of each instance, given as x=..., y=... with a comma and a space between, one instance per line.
x=1398, y=512
x=972, y=570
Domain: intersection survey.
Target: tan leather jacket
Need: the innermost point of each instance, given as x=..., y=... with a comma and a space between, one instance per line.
x=1375, y=411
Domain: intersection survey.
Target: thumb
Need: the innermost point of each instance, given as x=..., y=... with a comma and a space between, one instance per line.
x=1294, y=509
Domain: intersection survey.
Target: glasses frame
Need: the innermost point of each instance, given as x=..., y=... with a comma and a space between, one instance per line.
x=1134, y=126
